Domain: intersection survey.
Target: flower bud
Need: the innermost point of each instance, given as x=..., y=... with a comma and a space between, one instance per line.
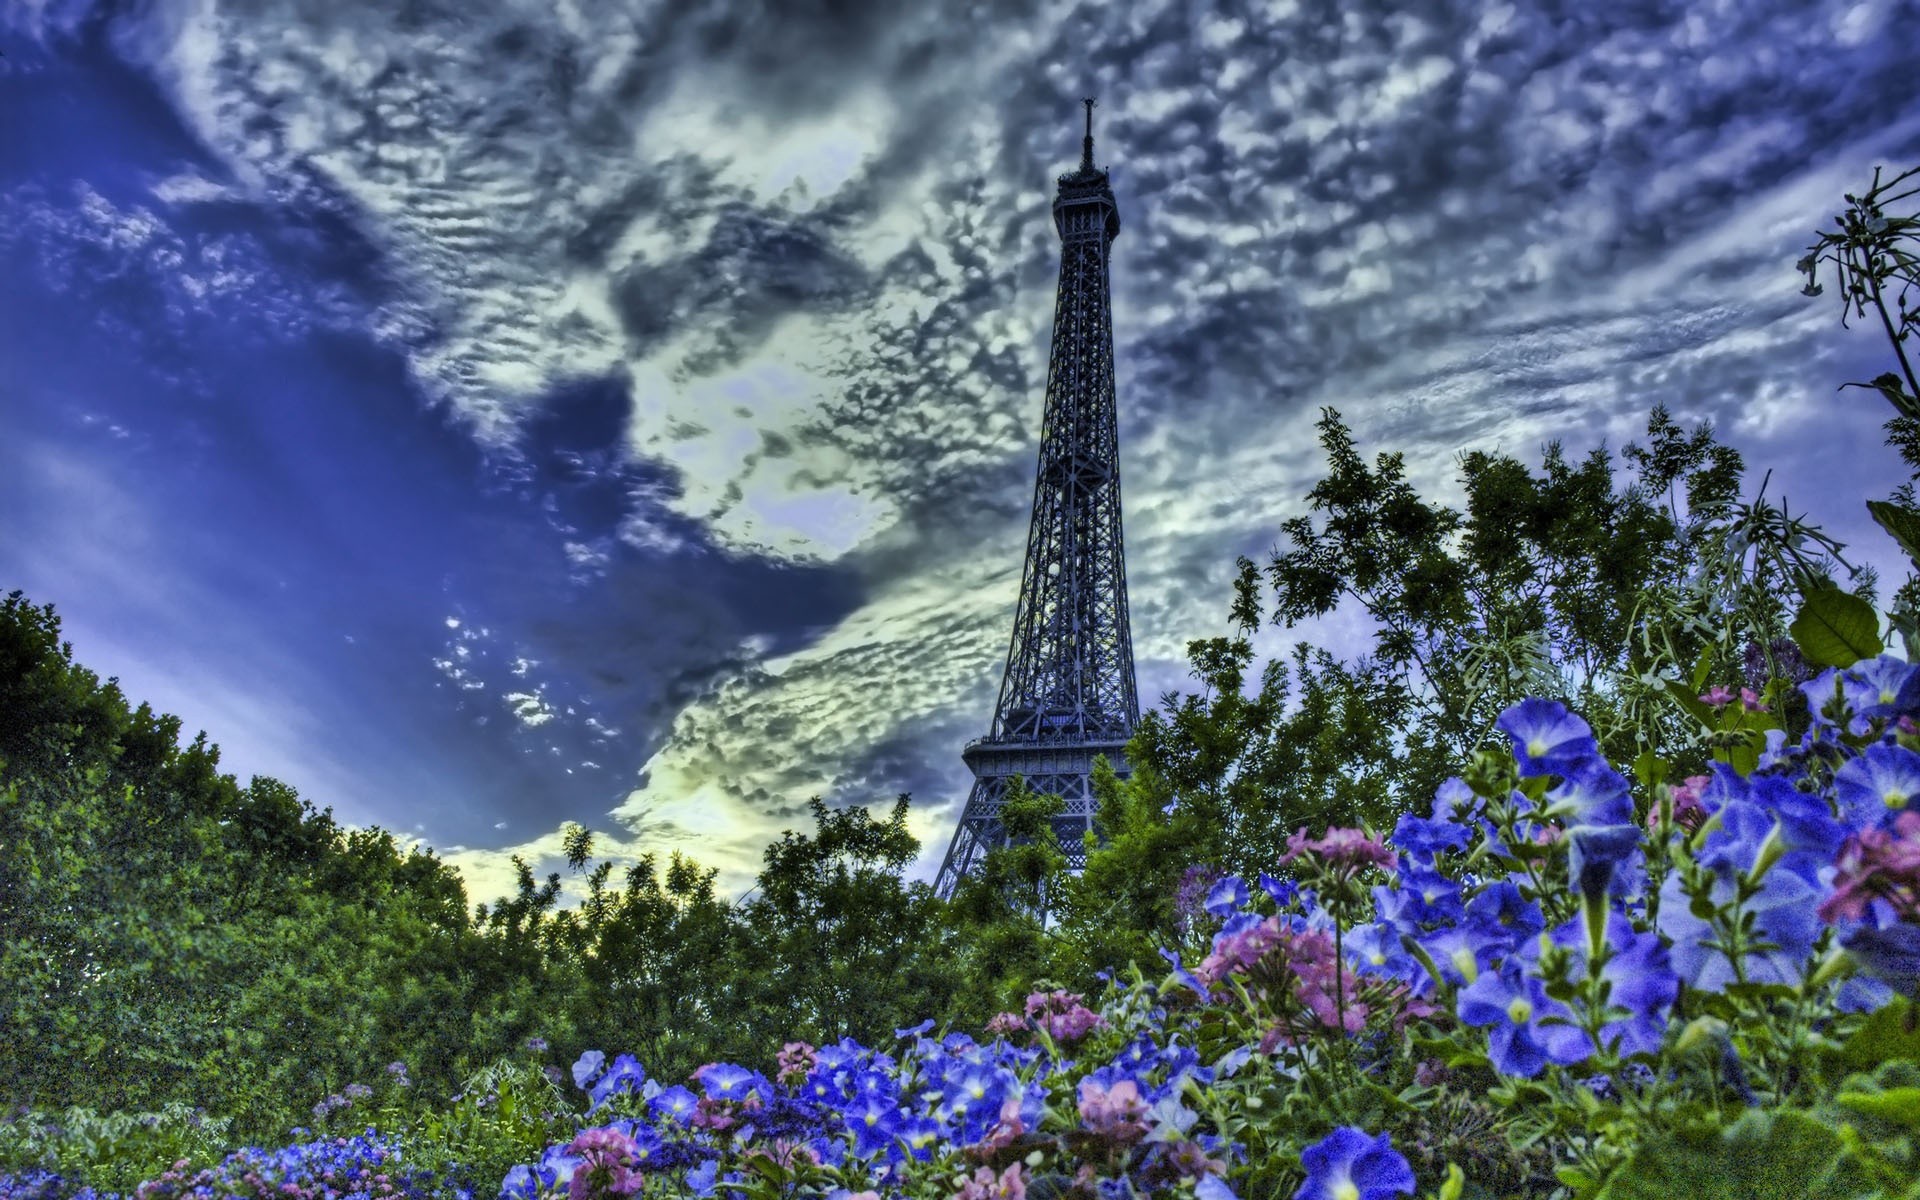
x=1700, y=1031
x=1772, y=848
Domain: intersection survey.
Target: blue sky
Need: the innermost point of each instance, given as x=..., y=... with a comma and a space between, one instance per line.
x=489, y=415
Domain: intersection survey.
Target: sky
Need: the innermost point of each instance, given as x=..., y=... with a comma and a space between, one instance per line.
x=484, y=415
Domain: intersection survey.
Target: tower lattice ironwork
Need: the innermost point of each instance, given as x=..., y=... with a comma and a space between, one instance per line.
x=1068, y=695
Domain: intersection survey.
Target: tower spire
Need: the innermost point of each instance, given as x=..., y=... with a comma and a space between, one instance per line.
x=1068, y=695
x=1086, y=146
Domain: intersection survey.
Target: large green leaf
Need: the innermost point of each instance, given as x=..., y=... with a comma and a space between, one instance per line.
x=1902, y=522
x=1762, y=1156
x=1836, y=629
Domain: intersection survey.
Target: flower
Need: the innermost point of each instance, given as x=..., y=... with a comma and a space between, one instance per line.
x=1349, y=1165
x=1547, y=739
x=585, y=1068
x=1883, y=780
x=1342, y=849
x=1879, y=864
x=1227, y=897
x=1523, y=1039
x=1641, y=984
x=1115, y=1112
x=1716, y=697
x=1592, y=793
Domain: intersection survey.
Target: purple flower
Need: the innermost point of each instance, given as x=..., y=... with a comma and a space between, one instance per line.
x=1523, y=1039
x=1349, y=1165
x=1547, y=739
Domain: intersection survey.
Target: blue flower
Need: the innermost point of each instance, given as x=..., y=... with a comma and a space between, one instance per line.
x=676, y=1103
x=914, y=1031
x=726, y=1081
x=1282, y=891
x=587, y=1067
x=1882, y=781
x=1593, y=793
x=1426, y=838
x=1349, y=1165
x=874, y=1120
x=1882, y=688
x=1547, y=739
x=1376, y=950
x=701, y=1178
x=1501, y=909
x=624, y=1076
x=1523, y=1039
x=1783, y=923
x=1641, y=984
x=1228, y=896
x=1889, y=953
x=1595, y=854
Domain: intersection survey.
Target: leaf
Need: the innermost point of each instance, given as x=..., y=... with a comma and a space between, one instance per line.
x=1901, y=1105
x=1762, y=1156
x=1886, y=1036
x=1690, y=704
x=1835, y=629
x=1649, y=769
x=1900, y=521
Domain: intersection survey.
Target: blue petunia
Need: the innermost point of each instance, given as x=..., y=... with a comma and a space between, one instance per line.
x=1884, y=780
x=624, y=1076
x=587, y=1066
x=1426, y=838
x=1529, y=1029
x=1595, y=856
x=726, y=1081
x=1783, y=922
x=676, y=1103
x=1349, y=1165
x=1227, y=897
x=1640, y=981
x=1592, y=793
x=1547, y=739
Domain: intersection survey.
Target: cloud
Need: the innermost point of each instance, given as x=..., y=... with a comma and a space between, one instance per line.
x=809, y=245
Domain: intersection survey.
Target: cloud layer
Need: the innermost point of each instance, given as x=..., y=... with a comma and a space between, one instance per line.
x=794, y=263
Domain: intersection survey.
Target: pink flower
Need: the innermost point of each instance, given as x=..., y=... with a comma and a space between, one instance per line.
x=1005, y=1130
x=1061, y=1014
x=1750, y=701
x=1716, y=697
x=794, y=1062
x=1877, y=864
x=1235, y=953
x=1116, y=1113
x=1010, y=1184
x=1006, y=1024
x=1688, y=812
x=1349, y=849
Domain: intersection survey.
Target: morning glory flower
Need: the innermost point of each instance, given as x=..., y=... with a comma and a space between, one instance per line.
x=1783, y=919
x=1501, y=909
x=1349, y=1165
x=1641, y=983
x=1426, y=838
x=1516, y=1005
x=1547, y=739
x=625, y=1075
x=1593, y=793
x=874, y=1121
x=1227, y=897
x=1595, y=855
x=1882, y=781
x=725, y=1081
x=587, y=1067
x=675, y=1102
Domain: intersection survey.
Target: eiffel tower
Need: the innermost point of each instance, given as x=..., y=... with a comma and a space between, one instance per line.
x=1068, y=695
